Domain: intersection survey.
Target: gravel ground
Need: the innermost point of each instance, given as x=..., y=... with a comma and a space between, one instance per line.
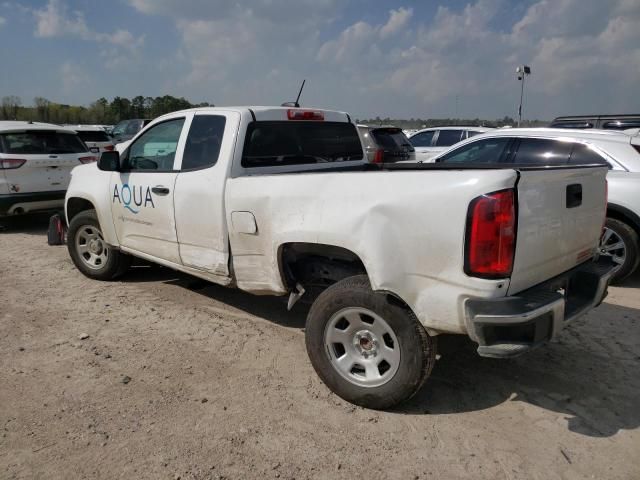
x=161, y=375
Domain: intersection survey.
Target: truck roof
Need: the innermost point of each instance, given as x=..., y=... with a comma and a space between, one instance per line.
x=272, y=113
x=21, y=125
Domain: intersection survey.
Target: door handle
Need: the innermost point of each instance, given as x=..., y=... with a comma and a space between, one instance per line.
x=160, y=190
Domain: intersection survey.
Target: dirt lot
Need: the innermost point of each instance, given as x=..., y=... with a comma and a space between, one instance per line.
x=220, y=387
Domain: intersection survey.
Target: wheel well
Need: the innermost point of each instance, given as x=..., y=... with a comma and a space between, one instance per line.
x=624, y=215
x=317, y=265
x=76, y=205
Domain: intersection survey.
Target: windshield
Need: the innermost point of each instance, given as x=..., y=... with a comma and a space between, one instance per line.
x=270, y=144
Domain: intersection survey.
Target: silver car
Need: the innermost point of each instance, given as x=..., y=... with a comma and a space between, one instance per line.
x=386, y=144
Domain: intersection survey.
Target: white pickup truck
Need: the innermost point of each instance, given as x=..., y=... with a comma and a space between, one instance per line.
x=281, y=201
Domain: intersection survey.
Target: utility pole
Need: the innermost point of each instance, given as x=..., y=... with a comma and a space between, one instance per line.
x=522, y=71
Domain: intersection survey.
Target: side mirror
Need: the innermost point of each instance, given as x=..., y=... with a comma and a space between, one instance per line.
x=109, y=161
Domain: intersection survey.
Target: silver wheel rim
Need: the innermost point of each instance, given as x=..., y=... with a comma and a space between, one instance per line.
x=91, y=248
x=362, y=347
x=613, y=246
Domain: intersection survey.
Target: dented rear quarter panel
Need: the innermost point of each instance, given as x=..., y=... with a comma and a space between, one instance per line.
x=407, y=227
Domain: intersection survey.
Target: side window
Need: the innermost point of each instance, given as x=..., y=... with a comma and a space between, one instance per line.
x=119, y=128
x=422, y=139
x=446, y=138
x=584, y=155
x=570, y=124
x=203, y=142
x=621, y=124
x=156, y=148
x=543, y=152
x=488, y=150
x=132, y=127
x=472, y=133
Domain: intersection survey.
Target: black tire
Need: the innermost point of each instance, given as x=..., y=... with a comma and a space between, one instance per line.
x=116, y=262
x=632, y=246
x=417, y=348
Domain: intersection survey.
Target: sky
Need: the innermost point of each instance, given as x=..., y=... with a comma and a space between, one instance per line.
x=399, y=58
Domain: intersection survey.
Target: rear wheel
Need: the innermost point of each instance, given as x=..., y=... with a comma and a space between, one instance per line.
x=620, y=243
x=90, y=253
x=369, y=350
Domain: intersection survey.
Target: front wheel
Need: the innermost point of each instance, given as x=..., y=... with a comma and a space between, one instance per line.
x=369, y=350
x=90, y=253
x=620, y=243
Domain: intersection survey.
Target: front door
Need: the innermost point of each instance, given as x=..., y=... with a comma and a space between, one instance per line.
x=199, y=200
x=142, y=193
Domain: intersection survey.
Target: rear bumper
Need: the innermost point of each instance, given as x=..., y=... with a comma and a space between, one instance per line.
x=509, y=326
x=18, y=203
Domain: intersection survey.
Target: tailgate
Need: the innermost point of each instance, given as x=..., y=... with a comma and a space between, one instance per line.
x=561, y=212
x=41, y=173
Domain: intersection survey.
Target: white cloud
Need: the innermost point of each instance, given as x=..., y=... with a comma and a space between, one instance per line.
x=398, y=20
x=2, y=21
x=54, y=20
x=585, y=54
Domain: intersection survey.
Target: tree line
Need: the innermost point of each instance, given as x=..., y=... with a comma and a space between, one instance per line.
x=101, y=112
x=416, y=123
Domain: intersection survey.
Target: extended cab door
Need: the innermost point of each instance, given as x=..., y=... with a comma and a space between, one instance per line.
x=199, y=191
x=142, y=193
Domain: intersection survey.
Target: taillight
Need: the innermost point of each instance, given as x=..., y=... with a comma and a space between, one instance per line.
x=379, y=156
x=305, y=115
x=88, y=159
x=491, y=235
x=109, y=148
x=10, y=163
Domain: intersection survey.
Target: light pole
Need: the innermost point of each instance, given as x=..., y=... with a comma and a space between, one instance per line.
x=522, y=71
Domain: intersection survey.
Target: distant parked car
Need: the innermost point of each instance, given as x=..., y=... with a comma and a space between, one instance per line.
x=35, y=165
x=605, y=122
x=545, y=146
x=386, y=144
x=127, y=129
x=95, y=138
x=429, y=142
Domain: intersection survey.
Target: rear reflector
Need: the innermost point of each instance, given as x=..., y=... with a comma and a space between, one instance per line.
x=305, y=115
x=11, y=163
x=88, y=159
x=491, y=235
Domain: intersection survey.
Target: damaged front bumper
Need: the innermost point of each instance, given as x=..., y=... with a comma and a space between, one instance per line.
x=510, y=326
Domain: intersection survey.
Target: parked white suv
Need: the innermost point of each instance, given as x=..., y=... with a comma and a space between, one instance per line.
x=429, y=142
x=547, y=146
x=35, y=165
x=94, y=137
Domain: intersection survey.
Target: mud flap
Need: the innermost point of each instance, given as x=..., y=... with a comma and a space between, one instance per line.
x=57, y=230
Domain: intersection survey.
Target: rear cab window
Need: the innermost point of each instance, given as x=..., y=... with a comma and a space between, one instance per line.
x=41, y=142
x=286, y=143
